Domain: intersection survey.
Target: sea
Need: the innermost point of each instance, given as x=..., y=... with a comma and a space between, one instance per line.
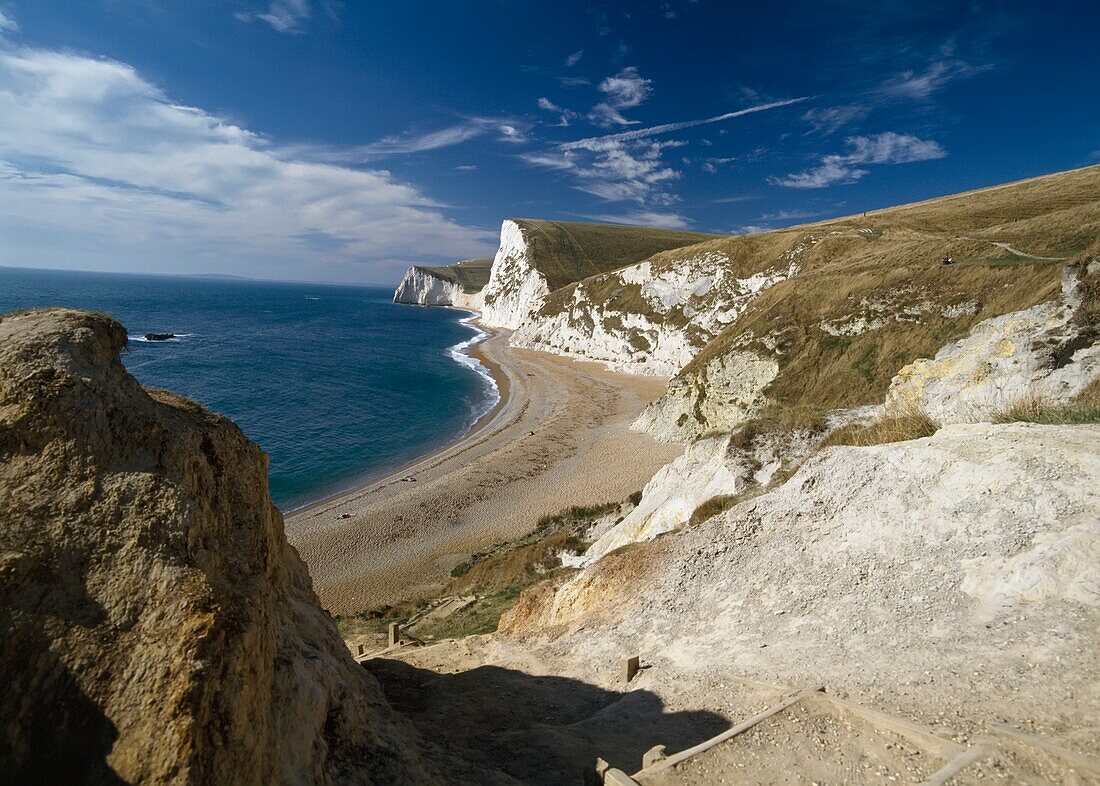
x=336, y=383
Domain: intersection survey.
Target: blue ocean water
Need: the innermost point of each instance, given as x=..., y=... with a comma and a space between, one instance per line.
x=336, y=383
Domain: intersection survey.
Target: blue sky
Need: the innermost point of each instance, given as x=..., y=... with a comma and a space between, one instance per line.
x=342, y=141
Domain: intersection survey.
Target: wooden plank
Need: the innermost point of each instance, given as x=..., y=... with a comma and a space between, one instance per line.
x=922, y=735
x=729, y=734
x=955, y=766
x=1078, y=760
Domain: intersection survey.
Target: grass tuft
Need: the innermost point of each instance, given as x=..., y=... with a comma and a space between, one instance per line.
x=898, y=425
x=1036, y=408
x=712, y=507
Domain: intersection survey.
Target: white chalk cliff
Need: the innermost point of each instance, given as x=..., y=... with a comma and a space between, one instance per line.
x=649, y=318
x=421, y=286
x=516, y=287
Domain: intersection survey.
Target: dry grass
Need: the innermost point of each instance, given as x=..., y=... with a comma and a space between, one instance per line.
x=896, y=426
x=778, y=419
x=1035, y=408
x=712, y=507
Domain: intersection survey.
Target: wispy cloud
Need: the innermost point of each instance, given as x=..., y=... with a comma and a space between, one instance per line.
x=625, y=90
x=509, y=133
x=506, y=129
x=574, y=81
x=599, y=142
x=887, y=148
x=7, y=24
x=574, y=58
x=712, y=164
x=829, y=119
x=98, y=167
x=647, y=218
x=285, y=16
x=566, y=116
x=920, y=86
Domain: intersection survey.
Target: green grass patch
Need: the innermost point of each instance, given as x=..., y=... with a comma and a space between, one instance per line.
x=481, y=617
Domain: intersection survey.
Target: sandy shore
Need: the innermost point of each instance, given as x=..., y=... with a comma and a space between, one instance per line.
x=558, y=437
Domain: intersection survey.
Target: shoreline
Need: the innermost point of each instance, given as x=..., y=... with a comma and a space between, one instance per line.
x=493, y=372
x=558, y=436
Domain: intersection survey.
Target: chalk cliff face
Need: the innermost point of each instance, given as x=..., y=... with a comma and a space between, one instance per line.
x=649, y=318
x=157, y=625
x=516, y=287
x=422, y=288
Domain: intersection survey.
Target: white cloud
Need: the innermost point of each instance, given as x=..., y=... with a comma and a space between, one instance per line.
x=711, y=164
x=596, y=142
x=7, y=24
x=828, y=119
x=887, y=148
x=626, y=90
x=509, y=133
x=98, y=168
x=787, y=215
x=466, y=168
x=566, y=115
x=419, y=143
x=628, y=166
x=616, y=173
x=574, y=58
x=285, y=16
x=469, y=128
x=920, y=86
x=647, y=218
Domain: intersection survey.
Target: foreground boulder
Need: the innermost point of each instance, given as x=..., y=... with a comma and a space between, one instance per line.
x=157, y=626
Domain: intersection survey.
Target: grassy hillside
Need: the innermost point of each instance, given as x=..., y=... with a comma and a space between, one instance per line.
x=567, y=251
x=472, y=274
x=887, y=265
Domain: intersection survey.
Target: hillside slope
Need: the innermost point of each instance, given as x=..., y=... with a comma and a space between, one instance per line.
x=158, y=628
x=941, y=592
x=864, y=294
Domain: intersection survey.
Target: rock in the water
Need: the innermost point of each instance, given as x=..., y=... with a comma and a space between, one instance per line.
x=159, y=336
x=158, y=628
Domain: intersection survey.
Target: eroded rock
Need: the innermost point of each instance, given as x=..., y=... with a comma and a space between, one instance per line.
x=158, y=628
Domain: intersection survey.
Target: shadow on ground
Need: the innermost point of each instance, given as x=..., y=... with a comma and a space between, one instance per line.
x=537, y=730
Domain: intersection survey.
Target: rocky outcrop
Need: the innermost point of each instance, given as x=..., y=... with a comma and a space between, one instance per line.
x=158, y=628
x=649, y=318
x=725, y=465
x=420, y=287
x=1049, y=351
x=724, y=393
x=516, y=287
x=537, y=258
x=977, y=521
x=456, y=285
x=707, y=469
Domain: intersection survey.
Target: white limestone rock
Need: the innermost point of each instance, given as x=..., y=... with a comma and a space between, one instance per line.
x=1041, y=351
x=687, y=303
x=420, y=287
x=726, y=392
x=516, y=288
